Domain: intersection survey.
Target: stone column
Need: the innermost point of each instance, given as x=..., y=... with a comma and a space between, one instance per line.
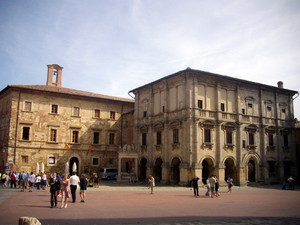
x=241, y=176
x=221, y=174
x=119, y=177
x=183, y=174
x=165, y=179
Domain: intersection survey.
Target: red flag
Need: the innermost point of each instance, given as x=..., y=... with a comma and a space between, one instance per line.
x=67, y=147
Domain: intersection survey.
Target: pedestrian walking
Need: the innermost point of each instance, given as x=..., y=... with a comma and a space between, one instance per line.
x=22, y=178
x=212, y=183
x=38, y=181
x=3, y=178
x=229, y=182
x=13, y=180
x=151, y=182
x=44, y=181
x=64, y=190
x=207, y=187
x=291, y=183
x=54, y=188
x=74, y=181
x=83, y=186
x=195, y=185
x=31, y=181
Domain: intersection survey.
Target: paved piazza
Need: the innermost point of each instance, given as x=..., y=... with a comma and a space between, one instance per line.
x=125, y=204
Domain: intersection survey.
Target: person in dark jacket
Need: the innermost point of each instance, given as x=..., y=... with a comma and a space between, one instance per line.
x=83, y=186
x=54, y=188
x=195, y=185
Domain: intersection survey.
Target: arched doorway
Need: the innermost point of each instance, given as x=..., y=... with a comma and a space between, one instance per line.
x=71, y=165
x=158, y=170
x=175, y=171
x=143, y=169
x=207, y=169
x=230, y=169
x=251, y=171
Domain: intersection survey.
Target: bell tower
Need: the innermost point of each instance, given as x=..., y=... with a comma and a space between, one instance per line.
x=54, y=75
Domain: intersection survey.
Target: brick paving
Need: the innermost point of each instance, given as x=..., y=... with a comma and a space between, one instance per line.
x=125, y=204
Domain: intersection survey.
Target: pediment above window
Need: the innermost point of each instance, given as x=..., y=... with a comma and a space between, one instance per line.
x=144, y=129
x=158, y=126
x=251, y=128
x=229, y=126
x=175, y=124
x=207, y=124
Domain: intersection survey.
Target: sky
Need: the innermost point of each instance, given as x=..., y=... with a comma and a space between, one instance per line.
x=112, y=47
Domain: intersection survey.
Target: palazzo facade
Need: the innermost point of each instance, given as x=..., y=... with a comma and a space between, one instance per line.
x=190, y=123
x=50, y=128
x=196, y=123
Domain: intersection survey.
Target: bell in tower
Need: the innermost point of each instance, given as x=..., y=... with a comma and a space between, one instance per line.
x=54, y=75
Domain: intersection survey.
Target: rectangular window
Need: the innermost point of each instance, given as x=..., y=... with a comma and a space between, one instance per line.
x=145, y=114
x=144, y=138
x=272, y=168
x=54, y=109
x=285, y=140
x=51, y=160
x=97, y=113
x=24, y=159
x=76, y=111
x=269, y=109
x=53, y=134
x=175, y=136
x=200, y=104
x=229, y=137
x=25, y=133
x=250, y=105
x=251, y=139
x=207, y=135
x=75, y=136
x=244, y=144
x=271, y=140
x=158, y=137
x=163, y=109
x=111, y=138
x=27, y=106
x=95, y=161
x=222, y=107
x=96, y=138
x=243, y=111
x=112, y=115
x=283, y=110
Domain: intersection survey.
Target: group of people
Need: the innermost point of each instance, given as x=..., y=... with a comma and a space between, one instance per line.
x=24, y=180
x=64, y=185
x=212, y=185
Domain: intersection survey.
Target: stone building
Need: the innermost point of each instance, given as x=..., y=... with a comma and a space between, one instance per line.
x=199, y=123
x=51, y=128
x=297, y=125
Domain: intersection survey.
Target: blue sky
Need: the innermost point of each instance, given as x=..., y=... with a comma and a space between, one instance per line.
x=111, y=47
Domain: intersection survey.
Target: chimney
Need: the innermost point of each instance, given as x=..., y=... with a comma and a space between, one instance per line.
x=280, y=84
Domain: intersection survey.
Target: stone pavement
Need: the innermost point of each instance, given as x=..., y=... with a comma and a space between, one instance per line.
x=133, y=204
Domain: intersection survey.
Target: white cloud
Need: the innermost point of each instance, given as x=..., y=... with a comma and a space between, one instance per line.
x=112, y=47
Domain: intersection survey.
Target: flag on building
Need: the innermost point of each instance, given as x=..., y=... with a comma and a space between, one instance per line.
x=67, y=147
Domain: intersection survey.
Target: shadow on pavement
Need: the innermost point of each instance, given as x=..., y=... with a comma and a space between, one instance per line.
x=182, y=220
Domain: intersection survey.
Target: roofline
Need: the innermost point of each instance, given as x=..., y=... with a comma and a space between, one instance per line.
x=68, y=94
x=212, y=74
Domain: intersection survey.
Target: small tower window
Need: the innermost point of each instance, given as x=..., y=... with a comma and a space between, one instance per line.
x=54, y=76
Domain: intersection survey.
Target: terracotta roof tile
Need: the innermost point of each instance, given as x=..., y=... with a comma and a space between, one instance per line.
x=68, y=91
